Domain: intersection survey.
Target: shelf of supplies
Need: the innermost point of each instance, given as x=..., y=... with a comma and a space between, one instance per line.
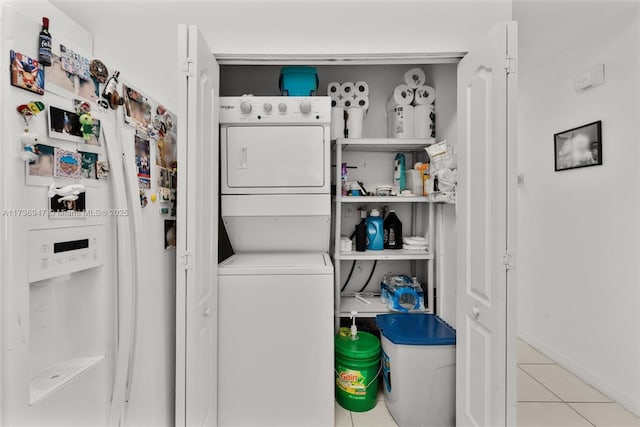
x=382, y=199
x=384, y=144
x=385, y=255
x=56, y=376
x=349, y=303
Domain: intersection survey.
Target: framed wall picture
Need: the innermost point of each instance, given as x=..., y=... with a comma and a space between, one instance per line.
x=579, y=147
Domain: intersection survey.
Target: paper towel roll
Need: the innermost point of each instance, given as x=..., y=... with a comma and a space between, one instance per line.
x=333, y=89
x=337, y=122
x=400, y=121
x=347, y=89
x=347, y=102
x=362, y=102
x=414, y=77
x=424, y=121
x=355, y=119
x=424, y=95
x=362, y=89
x=402, y=95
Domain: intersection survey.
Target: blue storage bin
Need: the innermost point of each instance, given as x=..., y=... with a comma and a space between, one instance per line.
x=298, y=81
x=418, y=369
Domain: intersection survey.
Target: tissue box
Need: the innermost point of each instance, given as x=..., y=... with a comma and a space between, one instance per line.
x=346, y=244
x=402, y=293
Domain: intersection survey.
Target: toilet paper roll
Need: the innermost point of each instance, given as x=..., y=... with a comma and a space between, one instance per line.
x=333, y=89
x=348, y=102
x=355, y=119
x=414, y=77
x=424, y=121
x=400, y=120
x=362, y=102
x=334, y=102
x=424, y=95
x=362, y=89
x=337, y=122
x=347, y=89
x=402, y=95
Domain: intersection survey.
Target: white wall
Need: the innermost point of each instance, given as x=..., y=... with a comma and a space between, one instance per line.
x=579, y=233
x=276, y=27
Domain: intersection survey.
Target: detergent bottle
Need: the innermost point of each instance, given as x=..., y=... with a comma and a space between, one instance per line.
x=375, y=231
x=392, y=231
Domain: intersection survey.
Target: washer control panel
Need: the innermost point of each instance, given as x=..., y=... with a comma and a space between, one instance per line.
x=57, y=251
x=275, y=109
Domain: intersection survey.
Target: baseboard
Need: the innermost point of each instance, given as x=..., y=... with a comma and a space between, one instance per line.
x=599, y=383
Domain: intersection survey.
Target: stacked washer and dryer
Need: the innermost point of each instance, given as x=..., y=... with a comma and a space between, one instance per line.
x=275, y=339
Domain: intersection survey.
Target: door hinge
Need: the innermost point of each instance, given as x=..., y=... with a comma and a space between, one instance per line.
x=510, y=64
x=508, y=260
x=187, y=67
x=186, y=260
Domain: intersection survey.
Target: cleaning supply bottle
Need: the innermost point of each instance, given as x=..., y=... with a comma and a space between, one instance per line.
x=375, y=231
x=344, y=179
x=399, y=168
x=44, y=43
x=392, y=231
x=361, y=232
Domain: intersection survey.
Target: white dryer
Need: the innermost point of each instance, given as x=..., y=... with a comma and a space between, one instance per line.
x=275, y=338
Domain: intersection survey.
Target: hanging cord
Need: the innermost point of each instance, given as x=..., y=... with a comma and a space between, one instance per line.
x=375, y=263
x=353, y=266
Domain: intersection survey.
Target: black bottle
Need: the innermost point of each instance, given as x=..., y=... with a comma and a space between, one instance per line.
x=361, y=233
x=392, y=231
x=44, y=44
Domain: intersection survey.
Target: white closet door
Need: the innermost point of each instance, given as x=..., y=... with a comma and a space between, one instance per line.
x=197, y=233
x=486, y=219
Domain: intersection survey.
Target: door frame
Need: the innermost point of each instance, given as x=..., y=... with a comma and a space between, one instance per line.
x=420, y=58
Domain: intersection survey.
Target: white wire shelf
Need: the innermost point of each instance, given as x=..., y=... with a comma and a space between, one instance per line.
x=384, y=144
x=385, y=255
x=382, y=199
x=365, y=304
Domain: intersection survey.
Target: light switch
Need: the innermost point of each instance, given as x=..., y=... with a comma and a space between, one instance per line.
x=592, y=77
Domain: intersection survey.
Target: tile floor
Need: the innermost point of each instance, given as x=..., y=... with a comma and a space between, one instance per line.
x=548, y=395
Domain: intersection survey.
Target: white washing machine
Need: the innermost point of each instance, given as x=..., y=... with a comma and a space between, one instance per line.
x=275, y=348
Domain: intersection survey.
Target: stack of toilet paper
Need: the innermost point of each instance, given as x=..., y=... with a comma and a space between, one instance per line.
x=349, y=105
x=410, y=109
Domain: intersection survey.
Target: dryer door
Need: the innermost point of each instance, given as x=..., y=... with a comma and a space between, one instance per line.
x=273, y=159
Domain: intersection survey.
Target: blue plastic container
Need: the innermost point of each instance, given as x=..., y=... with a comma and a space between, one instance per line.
x=298, y=81
x=375, y=231
x=418, y=369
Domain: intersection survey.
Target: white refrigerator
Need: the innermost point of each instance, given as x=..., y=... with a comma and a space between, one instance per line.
x=87, y=298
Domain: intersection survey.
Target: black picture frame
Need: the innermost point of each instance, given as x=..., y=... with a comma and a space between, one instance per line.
x=579, y=147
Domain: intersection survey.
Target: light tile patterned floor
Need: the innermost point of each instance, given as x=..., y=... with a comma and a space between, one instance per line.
x=548, y=396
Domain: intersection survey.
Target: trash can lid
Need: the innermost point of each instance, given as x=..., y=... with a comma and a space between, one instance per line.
x=415, y=329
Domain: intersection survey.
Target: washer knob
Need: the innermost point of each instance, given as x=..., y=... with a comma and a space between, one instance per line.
x=267, y=107
x=305, y=107
x=282, y=107
x=245, y=107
